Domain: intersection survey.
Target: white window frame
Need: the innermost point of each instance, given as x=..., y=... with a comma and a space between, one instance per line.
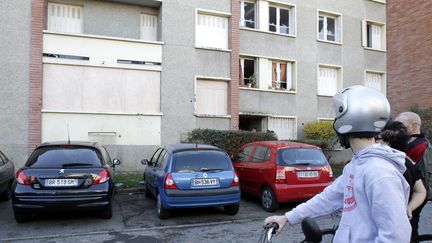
x=383, y=34
x=284, y=117
x=242, y=59
x=63, y=6
x=242, y=18
x=155, y=37
x=339, y=82
x=338, y=23
x=292, y=23
x=214, y=79
x=379, y=1
x=383, y=79
x=226, y=45
x=290, y=82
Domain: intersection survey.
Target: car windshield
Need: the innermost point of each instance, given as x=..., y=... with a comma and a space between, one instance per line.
x=65, y=156
x=300, y=156
x=201, y=160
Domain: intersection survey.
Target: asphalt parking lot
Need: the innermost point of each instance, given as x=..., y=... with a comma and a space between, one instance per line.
x=134, y=220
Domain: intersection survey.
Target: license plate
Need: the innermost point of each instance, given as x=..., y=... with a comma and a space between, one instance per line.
x=205, y=182
x=61, y=182
x=307, y=174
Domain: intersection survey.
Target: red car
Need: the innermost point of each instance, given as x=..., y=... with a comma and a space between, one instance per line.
x=282, y=171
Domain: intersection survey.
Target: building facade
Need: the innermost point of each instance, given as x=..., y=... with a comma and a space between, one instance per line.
x=134, y=74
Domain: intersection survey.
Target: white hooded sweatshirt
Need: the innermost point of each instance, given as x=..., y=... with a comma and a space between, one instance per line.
x=373, y=195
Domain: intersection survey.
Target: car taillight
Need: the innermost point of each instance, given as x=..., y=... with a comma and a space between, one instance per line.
x=169, y=182
x=102, y=177
x=280, y=175
x=235, y=181
x=329, y=170
x=21, y=177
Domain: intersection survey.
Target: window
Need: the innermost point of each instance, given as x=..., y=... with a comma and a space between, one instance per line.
x=248, y=75
x=212, y=97
x=375, y=80
x=244, y=154
x=149, y=25
x=197, y=160
x=261, y=154
x=329, y=80
x=282, y=76
x=373, y=35
x=64, y=156
x=284, y=127
x=211, y=31
x=247, y=14
x=161, y=158
x=65, y=18
x=155, y=156
x=329, y=27
x=281, y=20
x=301, y=156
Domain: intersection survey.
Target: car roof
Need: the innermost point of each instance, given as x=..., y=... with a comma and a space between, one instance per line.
x=76, y=143
x=285, y=144
x=190, y=146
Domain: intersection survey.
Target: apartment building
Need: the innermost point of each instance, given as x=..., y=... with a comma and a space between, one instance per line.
x=134, y=74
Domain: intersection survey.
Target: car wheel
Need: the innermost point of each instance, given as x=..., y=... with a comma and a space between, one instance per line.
x=232, y=209
x=161, y=212
x=268, y=200
x=22, y=217
x=6, y=195
x=107, y=213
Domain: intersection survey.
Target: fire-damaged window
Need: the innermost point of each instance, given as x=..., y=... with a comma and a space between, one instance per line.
x=248, y=75
x=247, y=14
x=281, y=19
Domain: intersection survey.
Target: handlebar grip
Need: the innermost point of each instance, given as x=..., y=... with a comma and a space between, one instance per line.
x=274, y=226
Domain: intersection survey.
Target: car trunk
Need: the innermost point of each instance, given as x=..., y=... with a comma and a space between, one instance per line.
x=203, y=180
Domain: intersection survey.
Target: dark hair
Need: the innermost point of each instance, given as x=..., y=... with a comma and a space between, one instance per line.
x=396, y=135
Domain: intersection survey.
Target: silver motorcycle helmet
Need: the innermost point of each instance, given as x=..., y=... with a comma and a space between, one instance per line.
x=360, y=112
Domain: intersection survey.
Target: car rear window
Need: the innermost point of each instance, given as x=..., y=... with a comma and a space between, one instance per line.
x=301, y=156
x=200, y=160
x=65, y=156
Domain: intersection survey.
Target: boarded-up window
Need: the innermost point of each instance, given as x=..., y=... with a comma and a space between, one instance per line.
x=285, y=128
x=149, y=27
x=211, y=31
x=212, y=97
x=92, y=89
x=328, y=78
x=65, y=18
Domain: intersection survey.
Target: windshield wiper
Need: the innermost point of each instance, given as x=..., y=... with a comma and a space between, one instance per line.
x=208, y=169
x=76, y=165
x=304, y=163
x=185, y=171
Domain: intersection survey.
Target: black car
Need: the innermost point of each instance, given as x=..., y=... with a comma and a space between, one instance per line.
x=62, y=176
x=6, y=177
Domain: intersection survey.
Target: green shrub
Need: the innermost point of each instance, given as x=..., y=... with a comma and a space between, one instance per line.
x=426, y=117
x=228, y=140
x=320, y=130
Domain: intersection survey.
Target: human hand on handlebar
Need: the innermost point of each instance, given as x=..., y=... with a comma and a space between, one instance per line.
x=281, y=220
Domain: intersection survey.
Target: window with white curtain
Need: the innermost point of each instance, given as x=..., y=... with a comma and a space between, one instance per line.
x=149, y=25
x=211, y=97
x=329, y=27
x=65, y=18
x=284, y=127
x=375, y=80
x=247, y=14
x=211, y=31
x=328, y=80
x=373, y=35
x=281, y=20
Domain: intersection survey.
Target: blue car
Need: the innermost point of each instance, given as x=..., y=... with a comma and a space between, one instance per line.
x=190, y=176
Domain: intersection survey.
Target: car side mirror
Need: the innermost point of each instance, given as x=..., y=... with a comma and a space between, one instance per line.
x=146, y=162
x=116, y=162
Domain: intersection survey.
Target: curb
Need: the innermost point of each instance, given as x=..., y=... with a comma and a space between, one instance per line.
x=134, y=190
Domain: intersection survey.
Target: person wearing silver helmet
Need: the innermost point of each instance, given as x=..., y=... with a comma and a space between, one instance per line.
x=371, y=192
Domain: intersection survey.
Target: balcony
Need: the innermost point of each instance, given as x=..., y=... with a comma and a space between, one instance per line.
x=101, y=51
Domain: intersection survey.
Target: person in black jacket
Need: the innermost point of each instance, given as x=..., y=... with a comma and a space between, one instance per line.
x=395, y=135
